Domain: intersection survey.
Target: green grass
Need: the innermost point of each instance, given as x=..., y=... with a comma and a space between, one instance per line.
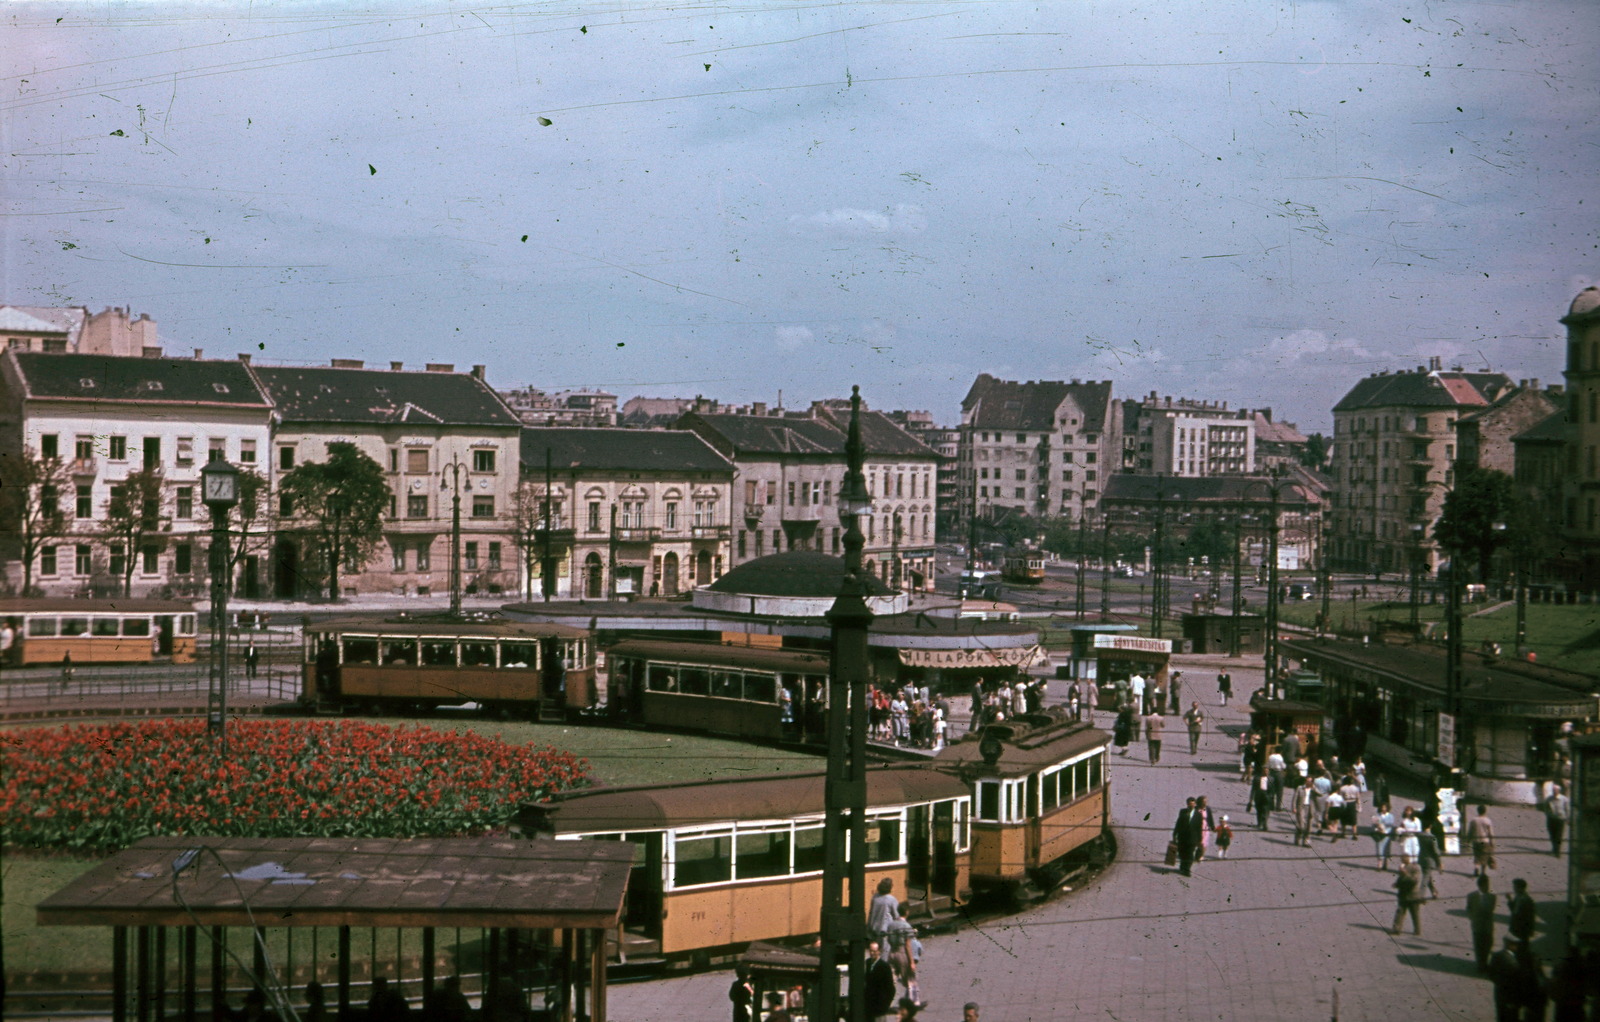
x=616, y=757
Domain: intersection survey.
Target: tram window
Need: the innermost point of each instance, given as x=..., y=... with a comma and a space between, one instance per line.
x=1049, y=790
x=105, y=626
x=663, y=678
x=725, y=684
x=74, y=626
x=883, y=839
x=42, y=626
x=186, y=624
x=1095, y=766
x=963, y=830
x=360, y=651
x=401, y=651
x=694, y=681
x=988, y=800
x=761, y=688
x=135, y=626
x=477, y=654
x=517, y=654
x=702, y=859
x=762, y=853
x=809, y=851
x=439, y=654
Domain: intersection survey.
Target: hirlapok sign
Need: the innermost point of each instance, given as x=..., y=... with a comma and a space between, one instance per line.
x=1026, y=656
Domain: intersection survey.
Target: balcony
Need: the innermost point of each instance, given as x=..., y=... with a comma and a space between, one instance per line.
x=754, y=512
x=718, y=532
x=637, y=534
x=83, y=467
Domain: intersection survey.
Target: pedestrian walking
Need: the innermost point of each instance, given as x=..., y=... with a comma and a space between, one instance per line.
x=1225, y=687
x=1350, y=816
x=1136, y=686
x=1088, y=700
x=899, y=937
x=252, y=658
x=1380, y=789
x=1480, y=913
x=1263, y=801
x=1186, y=834
x=1504, y=973
x=1429, y=859
x=1383, y=827
x=1410, y=837
x=1224, y=837
x=879, y=988
x=1195, y=721
x=1304, y=814
x=1480, y=834
x=742, y=993
x=1155, y=726
x=1408, y=898
x=883, y=911
x=66, y=670
x=1276, y=767
x=1208, y=828
x=1122, y=731
x=1556, y=810
x=1175, y=691
x=1524, y=914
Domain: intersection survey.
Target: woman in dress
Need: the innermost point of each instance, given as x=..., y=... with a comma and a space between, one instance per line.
x=1208, y=827
x=1122, y=731
x=1410, y=837
x=1383, y=834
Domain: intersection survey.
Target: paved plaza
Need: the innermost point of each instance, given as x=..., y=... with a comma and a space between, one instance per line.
x=1274, y=933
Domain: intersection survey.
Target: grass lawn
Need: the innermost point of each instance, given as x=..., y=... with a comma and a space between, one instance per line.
x=615, y=756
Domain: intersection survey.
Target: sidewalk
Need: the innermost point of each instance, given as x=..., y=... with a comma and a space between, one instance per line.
x=1273, y=933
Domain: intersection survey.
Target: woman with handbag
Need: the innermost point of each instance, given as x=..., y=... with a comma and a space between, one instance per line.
x=1383, y=834
x=1410, y=832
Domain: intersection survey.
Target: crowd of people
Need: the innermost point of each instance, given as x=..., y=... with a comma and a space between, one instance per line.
x=911, y=716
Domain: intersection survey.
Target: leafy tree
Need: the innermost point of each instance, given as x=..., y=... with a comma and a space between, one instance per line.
x=1315, y=452
x=337, y=504
x=133, y=514
x=1481, y=500
x=30, y=505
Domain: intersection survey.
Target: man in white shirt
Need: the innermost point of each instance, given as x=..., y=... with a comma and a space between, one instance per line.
x=1556, y=809
x=1275, y=769
x=1136, y=684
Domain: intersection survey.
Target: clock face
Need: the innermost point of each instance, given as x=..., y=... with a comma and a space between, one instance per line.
x=219, y=487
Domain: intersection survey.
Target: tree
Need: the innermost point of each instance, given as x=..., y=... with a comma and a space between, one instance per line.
x=1477, y=517
x=339, y=505
x=30, y=505
x=1315, y=453
x=132, y=514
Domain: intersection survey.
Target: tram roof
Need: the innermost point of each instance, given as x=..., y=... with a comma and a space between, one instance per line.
x=66, y=605
x=497, y=628
x=343, y=882
x=697, y=803
x=721, y=655
x=1027, y=744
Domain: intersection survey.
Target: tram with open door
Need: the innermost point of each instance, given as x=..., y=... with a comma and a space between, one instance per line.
x=99, y=631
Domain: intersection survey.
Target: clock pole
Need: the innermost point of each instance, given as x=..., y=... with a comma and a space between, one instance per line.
x=219, y=488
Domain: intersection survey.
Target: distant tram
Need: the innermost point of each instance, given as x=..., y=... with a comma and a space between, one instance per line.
x=1023, y=567
x=100, y=631
x=411, y=664
x=752, y=692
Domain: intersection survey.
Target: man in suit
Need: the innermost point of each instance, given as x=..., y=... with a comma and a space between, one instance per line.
x=1480, y=913
x=1524, y=914
x=1187, y=833
x=880, y=988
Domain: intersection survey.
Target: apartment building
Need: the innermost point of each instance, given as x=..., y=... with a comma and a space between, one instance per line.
x=788, y=470
x=946, y=441
x=1187, y=438
x=105, y=417
x=73, y=330
x=439, y=435
x=1394, y=460
x=1038, y=448
x=1581, y=486
x=631, y=512
x=563, y=408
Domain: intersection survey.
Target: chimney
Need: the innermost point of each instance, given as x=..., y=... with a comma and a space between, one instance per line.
x=150, y=352
x=758, y=408
x=1422, y=369
x=244, y=356
x=441, y=367
x=199, y=353
x=395, y=367
x=478, y=371
x=1523, y=384
x=1534, y=383
x=348, y=363
x=1435, y=363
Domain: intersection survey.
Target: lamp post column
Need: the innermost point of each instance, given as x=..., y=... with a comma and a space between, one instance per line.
x=1272, y=594
x=219, y=611
x=1083, y=551
x=1157, y=604
x=1105, y=566
x=1238, y=582
x=455, y=537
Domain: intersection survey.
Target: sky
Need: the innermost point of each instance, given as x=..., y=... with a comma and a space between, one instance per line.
x=1240, y=202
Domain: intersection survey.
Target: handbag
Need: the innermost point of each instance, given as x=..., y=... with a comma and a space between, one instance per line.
x=1172, y=853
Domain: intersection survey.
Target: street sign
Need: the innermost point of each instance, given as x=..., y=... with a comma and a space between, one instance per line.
x=1447, y=740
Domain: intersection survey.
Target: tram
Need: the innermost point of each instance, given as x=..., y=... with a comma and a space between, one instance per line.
x=727, y=862
x=751, y=692
x=99, y=631
x=1023, y=567
x=411, y=664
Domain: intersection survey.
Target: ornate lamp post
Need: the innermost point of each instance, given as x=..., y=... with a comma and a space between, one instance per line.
x=454, y=468
x=846, y=792
x=219, y=489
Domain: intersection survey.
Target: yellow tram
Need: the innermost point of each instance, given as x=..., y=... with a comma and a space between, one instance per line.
x=100, y=631
x=1023, y=567
x=753, y=692
x=376, y=663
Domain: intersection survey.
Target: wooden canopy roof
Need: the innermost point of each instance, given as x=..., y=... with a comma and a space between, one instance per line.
x=484, y=882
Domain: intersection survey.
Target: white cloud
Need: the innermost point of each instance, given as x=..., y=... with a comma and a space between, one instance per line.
x=789, y=338
x=1316, y=345
x=901, y=218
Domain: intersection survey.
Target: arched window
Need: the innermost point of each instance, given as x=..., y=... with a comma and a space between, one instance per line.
x=594, y=576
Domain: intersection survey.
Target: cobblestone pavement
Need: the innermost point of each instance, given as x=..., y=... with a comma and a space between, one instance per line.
x=1272, y=933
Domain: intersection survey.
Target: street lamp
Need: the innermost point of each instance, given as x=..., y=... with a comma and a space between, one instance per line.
x=454, y=468
x=845, y=795
x=219, y=490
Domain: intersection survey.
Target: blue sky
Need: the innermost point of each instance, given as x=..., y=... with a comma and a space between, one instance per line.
x=1240, y=202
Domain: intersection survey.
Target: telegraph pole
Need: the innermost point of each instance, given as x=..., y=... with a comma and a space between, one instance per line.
x=1157, y=603
x=1272, y=591
x=455, y=536
x=1238, y=581
x=1083, y=552
x=1105, y=566
x=845, y=798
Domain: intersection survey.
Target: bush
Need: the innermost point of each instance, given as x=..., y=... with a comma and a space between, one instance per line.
x=101, y=787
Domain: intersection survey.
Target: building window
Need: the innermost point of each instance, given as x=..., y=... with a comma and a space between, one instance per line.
x=394, y=506
x=1022, y=475
x=247, y=452
x=777, y=541
x=152, y=560
x=185, y=502
x=1021, y=493
x=119, y=560
x=49, y=446
x=119, y=448
x=85, y=508
x=1088, y=476
x=494, y=556
x=483, y=461
x=218, y=450
x=1088, y=495
x=1066, y=476
x=398, y=557
x=82, y=565
x=1066, y=457
x=424, y=562
x=483, y=507
x=791, y=494
x=472, y=556
x=417, y=461
x=1089, y=456
x=594, y=516
x=672, y=515
x=836, y=539
x=394, y=460
x=761, y=540
x=286, y=458
x=47, y=560
x=285, y=505
x=185, y=450
x=741, y=544
x=417, y=505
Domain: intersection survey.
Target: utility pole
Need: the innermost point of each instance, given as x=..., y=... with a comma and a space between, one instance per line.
x=1327, y=574
x=219, y=489
x=1272, y=590
x=611, y=552
x=1105, y=567
x=547, y=582
x=1157, y=603
x=845, y=798
x=1083, y=552
x=1238, y=581
x=455, y=536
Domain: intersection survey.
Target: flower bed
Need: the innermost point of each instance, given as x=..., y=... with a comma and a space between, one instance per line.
x=100, y=787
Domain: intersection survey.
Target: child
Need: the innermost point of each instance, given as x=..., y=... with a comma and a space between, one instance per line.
x=1224, y=837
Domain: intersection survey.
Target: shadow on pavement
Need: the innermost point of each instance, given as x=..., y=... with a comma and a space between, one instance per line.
x=1436, y=962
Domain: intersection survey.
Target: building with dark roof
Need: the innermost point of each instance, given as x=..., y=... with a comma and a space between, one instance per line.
x=563, y=408
x=439, y=435
x=789, y=467
x=1038, y=448
x=102, y=417
x=1581, y=487
x=1394, y=455
x=632, y=512
x=1186, y=437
